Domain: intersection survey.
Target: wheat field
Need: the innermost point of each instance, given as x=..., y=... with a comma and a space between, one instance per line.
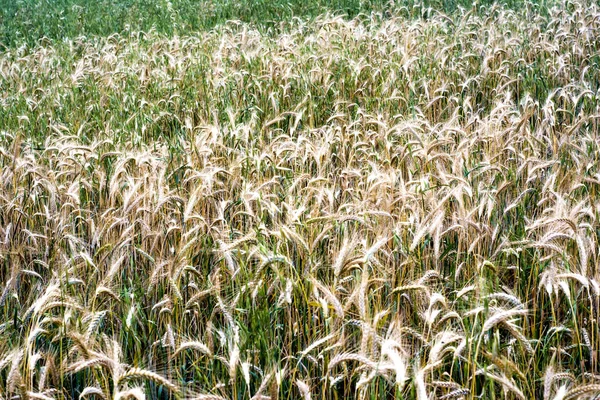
x=401, y=204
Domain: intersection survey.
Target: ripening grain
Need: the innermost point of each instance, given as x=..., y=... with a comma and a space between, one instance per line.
x=347, y=208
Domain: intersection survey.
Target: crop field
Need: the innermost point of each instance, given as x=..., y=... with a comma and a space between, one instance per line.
x=353, y=200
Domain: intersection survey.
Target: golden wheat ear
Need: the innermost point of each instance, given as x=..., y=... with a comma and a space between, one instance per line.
x=92, y=391
x=144, y=374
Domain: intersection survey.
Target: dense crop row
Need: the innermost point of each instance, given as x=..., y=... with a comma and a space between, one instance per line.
x=366, y=208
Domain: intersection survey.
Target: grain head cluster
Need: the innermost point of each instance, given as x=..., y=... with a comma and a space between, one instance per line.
x=377, y=207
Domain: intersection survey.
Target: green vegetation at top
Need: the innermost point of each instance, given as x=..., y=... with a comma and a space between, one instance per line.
x=27, y=21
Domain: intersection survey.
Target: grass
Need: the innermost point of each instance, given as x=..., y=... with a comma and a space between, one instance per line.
x=28, y=21
x=392, y=204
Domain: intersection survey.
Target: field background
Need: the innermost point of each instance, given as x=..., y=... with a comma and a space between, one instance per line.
x=316, y=200
x=29, y=20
